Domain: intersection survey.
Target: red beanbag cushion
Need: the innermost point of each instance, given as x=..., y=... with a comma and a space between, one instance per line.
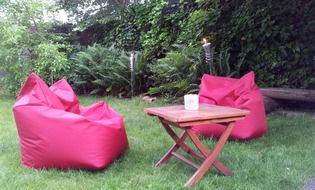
x=240, y=93
x=55, y=133
x=66, y=95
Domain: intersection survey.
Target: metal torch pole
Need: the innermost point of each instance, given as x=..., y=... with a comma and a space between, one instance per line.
x=132, y=73
x=206, y=47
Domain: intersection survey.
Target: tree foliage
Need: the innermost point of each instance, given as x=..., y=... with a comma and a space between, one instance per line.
x=26, y=45
x=275, y=39
x=89, y=12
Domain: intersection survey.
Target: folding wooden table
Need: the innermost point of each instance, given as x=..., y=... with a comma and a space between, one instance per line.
x=177, y=116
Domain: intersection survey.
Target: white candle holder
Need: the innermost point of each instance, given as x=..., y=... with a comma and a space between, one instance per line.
x=191, y=102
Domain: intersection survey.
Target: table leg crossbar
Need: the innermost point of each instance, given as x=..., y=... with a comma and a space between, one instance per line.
x=209, y=157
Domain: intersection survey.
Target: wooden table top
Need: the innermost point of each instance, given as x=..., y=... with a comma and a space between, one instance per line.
x=205, y=112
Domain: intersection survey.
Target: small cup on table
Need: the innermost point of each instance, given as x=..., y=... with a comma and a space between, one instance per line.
x=191, y=102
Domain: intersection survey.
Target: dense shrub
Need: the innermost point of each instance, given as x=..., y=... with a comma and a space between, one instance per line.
x=177, y=73
x=162, y=22
x=276, y=40
x=14, y=67
x=101, y=70
x=273, y=39
x=51, y=63
x=151, y=27
x=26, y=45
x=23, y=52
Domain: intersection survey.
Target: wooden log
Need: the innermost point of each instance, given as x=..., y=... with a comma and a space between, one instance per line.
x=270, y=104
x=289, y=94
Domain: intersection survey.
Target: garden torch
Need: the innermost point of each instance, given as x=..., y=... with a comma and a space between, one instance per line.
x=206, y=47
x=132, y=73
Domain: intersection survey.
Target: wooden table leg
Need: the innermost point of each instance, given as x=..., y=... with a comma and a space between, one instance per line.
x=180, y=141
x=174, y=148
x=224, y=170
x=211, y=158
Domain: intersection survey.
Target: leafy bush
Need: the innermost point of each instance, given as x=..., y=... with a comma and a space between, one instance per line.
x=101, y=70
x=93, y=69
x=199, y=23
x=51, y=63
x=23, y=52
x=152, y=26
x=220, y=65
x=15, y=67
x=178, y=73
x=273, y=39
x=26, y=45
x=194, y=27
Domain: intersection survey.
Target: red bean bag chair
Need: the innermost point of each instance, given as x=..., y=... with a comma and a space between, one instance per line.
x=56, y=133
x=240, y=93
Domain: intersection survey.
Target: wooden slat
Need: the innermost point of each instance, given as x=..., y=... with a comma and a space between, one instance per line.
x=205, y=112
x=223, y=120
x=207, y=121
x=182, y=158
x=167, y=156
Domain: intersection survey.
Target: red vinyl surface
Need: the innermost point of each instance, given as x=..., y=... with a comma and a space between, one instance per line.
x=55, y=132
x=240, y=93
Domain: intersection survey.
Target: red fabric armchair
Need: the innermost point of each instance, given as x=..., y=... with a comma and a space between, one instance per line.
x=240, y=93
x=55, y=132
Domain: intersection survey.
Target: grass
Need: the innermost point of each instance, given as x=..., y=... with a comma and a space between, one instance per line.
x=283, y=159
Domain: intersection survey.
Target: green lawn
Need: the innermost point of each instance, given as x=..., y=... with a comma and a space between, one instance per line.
x=283, y=159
